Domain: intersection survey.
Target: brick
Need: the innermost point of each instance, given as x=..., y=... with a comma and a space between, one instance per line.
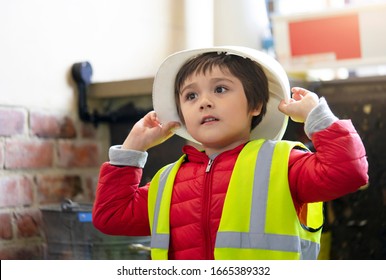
x=12, y=121
x=15, y=191
x=67, y=128
x=54, y=189
x=23, y=153
x=5, y=226
x=88, y=131
x=26, y=194
x=44, y=125
x=9, y=194
x=47, y=125
x=28, y=223
x=1, y=154
x=83, y=154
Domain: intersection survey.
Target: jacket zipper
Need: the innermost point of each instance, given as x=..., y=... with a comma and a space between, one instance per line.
x=206, y=211
x=209, y=165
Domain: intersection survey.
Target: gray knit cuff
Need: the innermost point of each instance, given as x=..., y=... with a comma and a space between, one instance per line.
x=122, y=157
x=319, y=118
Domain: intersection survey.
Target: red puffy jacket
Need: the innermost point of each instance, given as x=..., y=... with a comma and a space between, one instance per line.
x=337, y=168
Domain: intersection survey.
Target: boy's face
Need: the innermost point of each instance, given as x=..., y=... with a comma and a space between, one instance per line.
x=215, y=109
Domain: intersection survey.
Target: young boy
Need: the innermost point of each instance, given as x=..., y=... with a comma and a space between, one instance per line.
x=245, y=194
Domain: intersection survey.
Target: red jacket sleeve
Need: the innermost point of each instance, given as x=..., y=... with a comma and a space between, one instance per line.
x=120, y=206
x=338, y=167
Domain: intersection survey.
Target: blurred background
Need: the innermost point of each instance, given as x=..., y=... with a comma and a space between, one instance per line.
x=76, y=75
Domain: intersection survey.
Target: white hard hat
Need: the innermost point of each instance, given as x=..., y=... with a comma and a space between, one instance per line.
x=274, y=122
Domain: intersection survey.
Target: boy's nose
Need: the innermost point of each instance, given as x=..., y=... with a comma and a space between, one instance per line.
x=203, y=106
x=206, y=103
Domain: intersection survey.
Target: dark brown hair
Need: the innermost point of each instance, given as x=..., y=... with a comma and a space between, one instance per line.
x=250, y=73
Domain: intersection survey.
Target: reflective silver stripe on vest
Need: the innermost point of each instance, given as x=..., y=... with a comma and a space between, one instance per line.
x=256, y=238
x=159, y=240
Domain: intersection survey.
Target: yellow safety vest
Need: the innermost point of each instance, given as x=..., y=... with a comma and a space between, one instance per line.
x=266, y=225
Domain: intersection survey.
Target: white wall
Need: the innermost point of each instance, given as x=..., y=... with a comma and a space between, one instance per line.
x=122, y=39
x=243, y=22
x=41, y=39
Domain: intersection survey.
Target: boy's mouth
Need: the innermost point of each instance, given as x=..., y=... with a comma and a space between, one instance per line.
x=208, y=119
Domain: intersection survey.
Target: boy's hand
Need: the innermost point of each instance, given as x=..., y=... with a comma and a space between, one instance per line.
x=149, y=132
x=300, y=105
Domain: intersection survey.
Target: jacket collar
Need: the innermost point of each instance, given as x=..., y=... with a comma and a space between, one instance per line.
x=199, y=156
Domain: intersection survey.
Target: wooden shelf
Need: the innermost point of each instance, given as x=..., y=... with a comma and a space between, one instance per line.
x=137, y=87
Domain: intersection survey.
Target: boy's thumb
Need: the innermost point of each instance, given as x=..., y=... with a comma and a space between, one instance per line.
x=283, y=106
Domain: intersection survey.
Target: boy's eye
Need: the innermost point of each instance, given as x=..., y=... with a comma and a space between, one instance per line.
x=190, y=96
x=220, y=89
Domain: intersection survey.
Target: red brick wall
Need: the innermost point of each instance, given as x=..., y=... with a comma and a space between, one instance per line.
x=44, y=158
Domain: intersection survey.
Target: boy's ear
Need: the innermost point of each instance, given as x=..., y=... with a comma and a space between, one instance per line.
x=257, y=110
